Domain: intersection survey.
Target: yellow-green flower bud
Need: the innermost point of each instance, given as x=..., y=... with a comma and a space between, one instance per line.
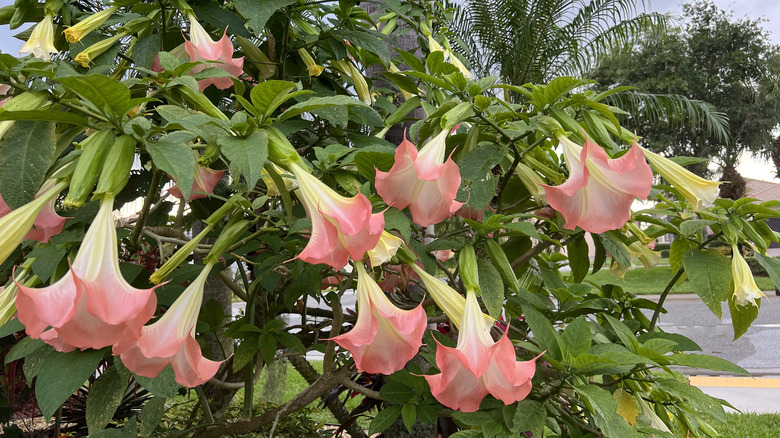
x=311, y=65
x=232, y=231
x=549, y=126
x=116, y=167
x=93, y=153
x=178, y=257
x=75, y=33
x=469, y=273
x=280, y=151
x=87, y=55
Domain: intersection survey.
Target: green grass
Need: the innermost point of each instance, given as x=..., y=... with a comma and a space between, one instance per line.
x=653, y=281
x=750, y=425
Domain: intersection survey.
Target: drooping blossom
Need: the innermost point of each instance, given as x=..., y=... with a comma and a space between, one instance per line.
x=385, y=249
x=340, y=227
x=5, y=90
x=698, y=191
x=385, y=337
x=270, y=184
x=423, y=181
x=599, y=192
x=532, y=182
x=47, y=224
x=81, y=29
x=171, y=340
x=746, y=292
x=201, y=47
x=41, y=41
x=16, y=224
x=7, y=300
x=92, y=305
x=478, y=366
x=202, y=185
x=446, y=298
x=638, y=253
x=311, y=66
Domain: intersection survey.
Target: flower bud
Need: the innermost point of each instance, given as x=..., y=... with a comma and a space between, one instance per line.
x=75, y=33
x=532, y=181
x=116, y=168
x=311, y=65
x=87, y=55
x=548, y=126
x=385, y=249
x=93, y=153
x=178, y=257
x=232, y=231
x=469, y=273
x=41, y=40
x=280, y=151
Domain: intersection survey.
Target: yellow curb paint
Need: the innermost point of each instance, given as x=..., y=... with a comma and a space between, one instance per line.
x=735, y=382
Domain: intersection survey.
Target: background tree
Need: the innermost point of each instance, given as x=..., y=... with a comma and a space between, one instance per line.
x=715, y=58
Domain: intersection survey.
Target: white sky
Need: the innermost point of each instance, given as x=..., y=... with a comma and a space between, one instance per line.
x=769, y=9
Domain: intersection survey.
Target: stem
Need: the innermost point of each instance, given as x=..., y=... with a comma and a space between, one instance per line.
x=248, y=371
x=660, y=305
x=335, y=327
x=148, y=201
x=205, y=405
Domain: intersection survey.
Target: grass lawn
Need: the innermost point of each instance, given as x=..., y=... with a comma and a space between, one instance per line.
x=751, y=426
x=653, y=281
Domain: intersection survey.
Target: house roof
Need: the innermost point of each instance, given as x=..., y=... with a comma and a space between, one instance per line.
x=762, y=190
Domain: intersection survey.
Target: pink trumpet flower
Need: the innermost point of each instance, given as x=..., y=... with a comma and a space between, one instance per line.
x=599, y=192
x=478, y=366
x=47, y=224
x=171, y=340
x=424, y=181
x=203, y=184
x=385, y=337
x=92, y=306
x=201, y=47
x=340, y=227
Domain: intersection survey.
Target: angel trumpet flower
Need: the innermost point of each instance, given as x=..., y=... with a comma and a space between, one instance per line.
x=202, y=185
x=92, y=306
x=47, y=223
x=171, y=340
x=424, y=181
x=478, y=366
x=340, y=227
x=75, y=33
x=599, y=192
x=16, y=225
x=385, y=337
x=698, y=191
x=201, y=47
x=385, y=249
x=41, y=41
x=746, y=292
x=448, y=300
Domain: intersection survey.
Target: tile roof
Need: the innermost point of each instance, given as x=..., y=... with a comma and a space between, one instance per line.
x=762, y=190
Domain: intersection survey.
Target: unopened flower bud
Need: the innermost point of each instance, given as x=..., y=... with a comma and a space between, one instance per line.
x=116, y=167
x=75, y=33
x=93, y=153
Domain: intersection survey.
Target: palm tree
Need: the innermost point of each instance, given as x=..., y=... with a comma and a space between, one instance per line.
x=524, y=41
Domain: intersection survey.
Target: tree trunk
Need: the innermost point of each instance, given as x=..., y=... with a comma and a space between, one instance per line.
x=733, y=186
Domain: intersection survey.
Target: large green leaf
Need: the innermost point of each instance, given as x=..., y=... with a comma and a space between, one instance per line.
x=710, y=274
x=257, y=13
x=249, y=154
x=706, y=362
x=365, y=39
x=164, y=385
x=105, y=395
x=742, y=317
x=319, y=102
x=491, y=287
x=529, y=416
x=172, y=154
x=577, y=337
x=216, y=15
x=27, y=150
x=478, y=183
x=544, y=332
x=106, y=94
x=151, y=414
x=61, y=374
x=45, y=115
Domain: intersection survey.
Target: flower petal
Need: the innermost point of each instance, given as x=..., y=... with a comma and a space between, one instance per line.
x=456, y=387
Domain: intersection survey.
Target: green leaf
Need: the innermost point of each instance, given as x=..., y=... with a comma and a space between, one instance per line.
x=577, y=337
x=491, y=287
x=478, y=183
x=402, y=111
x=710, y=275
x=106, y=94
x=172, y=154
x=771, y=265
x=11, y=327
x=22, y=348
x=707, y=362
x=604, y=408
x=104, y=398
x=579, y=261
x=45, y=115
x=396, y=392
x=151, y=414
x=268, y=95
x=319, y=102
x=693, y=226
x=217, y=16
x=409, y=416
x=529, y=417
x=368, y=162
x=34, y=360
x=27, y=150
x=164, y=385
x=384, y=418
x=544, y=333
x=145, y=49
x=245, y=352
x=616, y=248
x=742, y=317
x=267, y=345
x=46, y=260
x=371, y=41
x=61, y=374
x=258, y=13
x=249, y=154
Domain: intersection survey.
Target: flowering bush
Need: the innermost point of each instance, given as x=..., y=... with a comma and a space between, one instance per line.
x=274, y=120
